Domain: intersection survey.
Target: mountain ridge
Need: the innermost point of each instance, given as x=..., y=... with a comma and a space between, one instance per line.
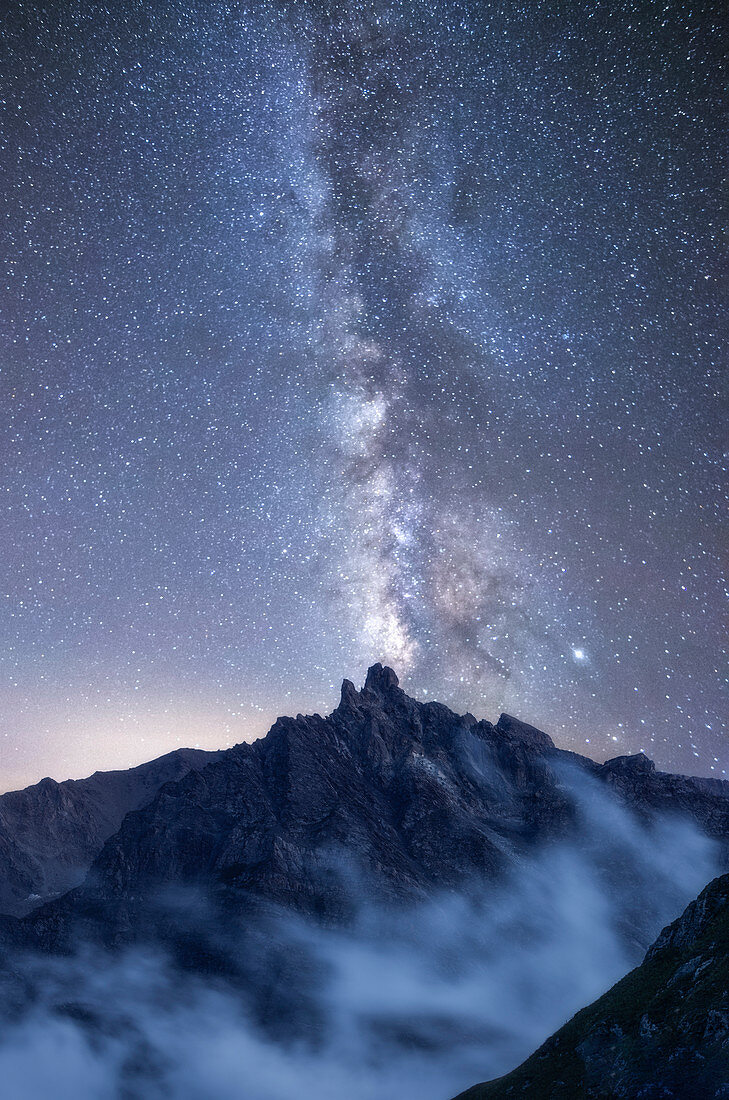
x=50, y=832
x=421, y=797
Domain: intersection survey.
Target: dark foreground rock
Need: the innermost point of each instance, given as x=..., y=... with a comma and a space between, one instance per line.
x=662, y=1033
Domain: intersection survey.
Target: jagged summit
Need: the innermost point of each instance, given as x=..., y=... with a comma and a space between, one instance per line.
x=381, y=684
x=350, y=695
x=381, y=679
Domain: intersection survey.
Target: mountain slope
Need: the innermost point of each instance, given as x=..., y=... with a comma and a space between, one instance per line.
x=663, y=1031
x=409, y=796
x=50, y=833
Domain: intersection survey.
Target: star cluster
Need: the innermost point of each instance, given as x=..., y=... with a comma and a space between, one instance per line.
x=334, y=333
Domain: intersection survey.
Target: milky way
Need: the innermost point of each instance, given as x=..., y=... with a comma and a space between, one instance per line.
x=338, y=333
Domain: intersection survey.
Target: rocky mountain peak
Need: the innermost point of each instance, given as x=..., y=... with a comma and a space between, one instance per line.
x=513, y=728
x=627, y=765
x=350, y=695
x=381, y=680
x=381, y=688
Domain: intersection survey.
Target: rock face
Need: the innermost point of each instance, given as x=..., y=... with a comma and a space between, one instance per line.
x=51, y=833
x=661, y=1032
x=407, y=796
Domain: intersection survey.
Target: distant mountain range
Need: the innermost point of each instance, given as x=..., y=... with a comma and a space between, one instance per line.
x=51, y=833
x=393, y=802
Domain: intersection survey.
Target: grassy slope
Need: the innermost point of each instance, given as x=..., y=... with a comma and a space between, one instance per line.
x=660, y=1025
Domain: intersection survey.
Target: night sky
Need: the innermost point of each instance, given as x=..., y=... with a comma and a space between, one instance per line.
x=334, y=333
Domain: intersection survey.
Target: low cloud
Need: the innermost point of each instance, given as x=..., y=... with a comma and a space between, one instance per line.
x=417, y=1002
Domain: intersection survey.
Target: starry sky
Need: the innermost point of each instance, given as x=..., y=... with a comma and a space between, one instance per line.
x=343, y=332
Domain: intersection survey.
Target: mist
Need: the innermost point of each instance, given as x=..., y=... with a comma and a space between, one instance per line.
x=417, y=1001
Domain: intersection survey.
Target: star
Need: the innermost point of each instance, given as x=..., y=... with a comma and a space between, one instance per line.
x=366, y=334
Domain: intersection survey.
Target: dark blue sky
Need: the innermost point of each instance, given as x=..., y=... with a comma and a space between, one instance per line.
x=339, y=333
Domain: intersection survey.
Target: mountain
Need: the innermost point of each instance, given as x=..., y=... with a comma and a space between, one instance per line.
x=393, y=900
x=51, y=833
x=406, y=797
x=661, y=1032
